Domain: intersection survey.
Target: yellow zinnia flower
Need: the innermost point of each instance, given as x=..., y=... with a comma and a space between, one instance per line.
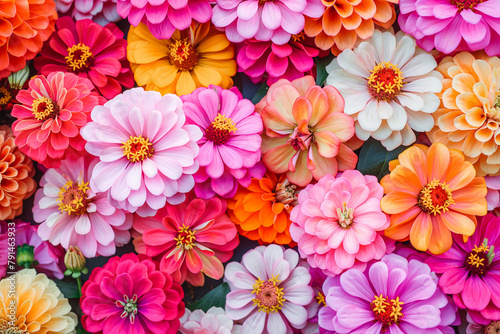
x=192, y=58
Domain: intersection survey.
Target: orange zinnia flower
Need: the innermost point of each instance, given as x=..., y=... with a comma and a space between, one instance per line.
x=432, y=192
x=262, y=210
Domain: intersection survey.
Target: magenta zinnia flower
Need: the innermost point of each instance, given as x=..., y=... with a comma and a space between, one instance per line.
x=147, y=153
x=90, y=51
x=99, y=11
x=230, y=146
x=129, y=295
x=470, y=269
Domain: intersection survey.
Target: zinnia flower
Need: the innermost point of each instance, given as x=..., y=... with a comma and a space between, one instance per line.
x=51, y=113
x=269, y=291
x=99, y=11
x=261, y=211
x=468, y=118
x=306, y=129
x=393, y=295
x=388, y=85
x=25, y=25
x=147, y=153
x=432, y=192
x=16, y=172
x=215, y=321
x=89, y=51
x=41, y=307
x=198, y=57
x=192, y=239
x=338, y=222
x=453, y=25
x=73, y=214
x=345, y=22
x=264, y=20
x=230, y=146
x=469, y=269
x=130, y=295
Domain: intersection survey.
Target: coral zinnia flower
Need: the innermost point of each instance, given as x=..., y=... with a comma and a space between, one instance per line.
x=90, y=51
x=25, y=25
x=130, y=295
x=262, y=209
x=306, y=129
x=432, y=192
x=346, y=21
x=469, y=116
x=198, y=57
x=99, y=11
x=41, y=307
x=193, y=238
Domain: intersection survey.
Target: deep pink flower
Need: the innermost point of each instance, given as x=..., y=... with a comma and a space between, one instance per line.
x=99, y=11
x=192, y=239
x=230, y=146
x=163, y=17
x=90, y=51
x=129, y=295
x=449, y=26
x=51, y=113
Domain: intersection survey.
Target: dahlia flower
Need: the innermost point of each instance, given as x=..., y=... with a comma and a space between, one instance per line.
x=25, y=25
x=192, y=239
x=51, y=113
x=261, y=211
x=338, y=223
x=432, y=192
x=306, y=129
x=147, y=153
x=215, y=321
x=481, y=326
x=453, y=25
x=388, y=85
x=470, y=105
x=89, y=51
x=264, y=20
x=163, y=17
x=16, y=174
x=130, y=295
x=469, y=269
x=231, y=140
x=200, y=57
x=99, y=11
x=73, y=214
x=393, y=295
x=41, y=307
x=345, y=22
x=266, y=59
x=269, y=291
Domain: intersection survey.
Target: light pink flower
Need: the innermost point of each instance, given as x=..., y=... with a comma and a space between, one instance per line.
x=493, y=194
x=339, y=224
x=147, y=153
x=215, y=321
x=73, y=214
x=99, y=11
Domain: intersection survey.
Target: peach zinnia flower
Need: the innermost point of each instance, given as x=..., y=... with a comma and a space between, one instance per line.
x=469, y=116
x=432, y=192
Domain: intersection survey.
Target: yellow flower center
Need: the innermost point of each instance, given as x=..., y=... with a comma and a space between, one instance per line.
x=79, y=58
x=219, y=130
x=478, y=260
x=345, y=216
x=183, y=55
x=185, y=238
x=5, y=96
x=44, y=108
x=299, y=37
x=137, y=148
x=269, y=297
x=386, y=311
x=465, y=4
x=73, y=198
x=321, y=299
x=385, y=81
x=435, y=198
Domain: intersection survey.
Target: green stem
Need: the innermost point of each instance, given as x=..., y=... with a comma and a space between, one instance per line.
x=79, y=282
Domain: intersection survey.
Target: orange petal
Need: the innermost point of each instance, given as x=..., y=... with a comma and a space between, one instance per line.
x=302, y=110
x=420, y=234
x=405, y=180
x=341, y=125
x=323, y=165
x=328, y=144
x=332, y=22
x=401, y=224
x=253, y=202
x=267, y=234
x=251, y=223
x=438, y=160
x=441, y=239
x=282, y=222
x=458, y=223
x=276, y=159
x=319, y=102
x=302, y=175
x=467, y=101
x=414, y=158
x=346, y=158
x=397, y=202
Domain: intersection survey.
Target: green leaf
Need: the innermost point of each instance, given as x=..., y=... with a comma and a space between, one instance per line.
x=321, y=64
x=374, y=158
x=260, y=93
x=81, y=331
x=68, y=289
x=216, y=297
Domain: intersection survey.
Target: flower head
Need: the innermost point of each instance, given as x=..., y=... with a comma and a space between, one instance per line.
x=74, y=262
x=99, y=11
x=214, y=321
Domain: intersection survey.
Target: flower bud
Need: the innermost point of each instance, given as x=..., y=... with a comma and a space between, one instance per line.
x=26, y=256
x=75, y=262
x=18, y=79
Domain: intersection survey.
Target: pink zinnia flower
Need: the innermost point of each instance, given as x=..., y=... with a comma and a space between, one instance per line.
x=74, y=214
x=90, y=51
x=51, y=113
x=339, y=224
x=99, y=11
x=192, y=239
x=448, y=26
x=215, y=321
x=147, y=153
x=269, y=291
x=230, y=146
x=163, y=17
x=264, y=20
x=130, y=295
